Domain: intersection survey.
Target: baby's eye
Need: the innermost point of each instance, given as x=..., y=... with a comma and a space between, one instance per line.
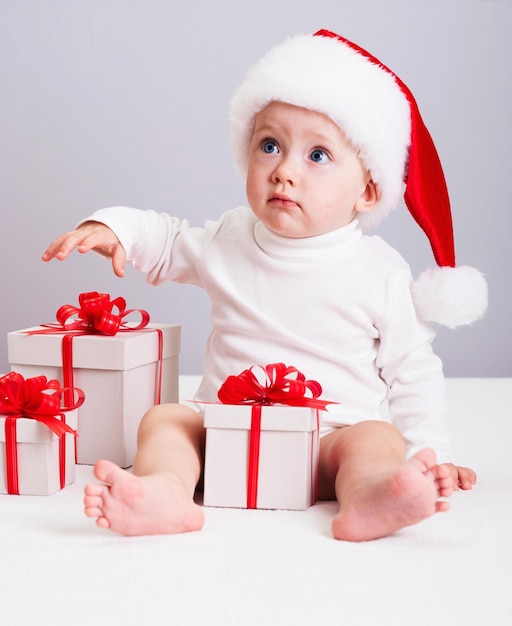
x=318, y=155
x=269, y=146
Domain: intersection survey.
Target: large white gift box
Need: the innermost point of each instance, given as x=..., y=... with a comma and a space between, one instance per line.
x=38, y=456
x=118, y=374
x=288, y=456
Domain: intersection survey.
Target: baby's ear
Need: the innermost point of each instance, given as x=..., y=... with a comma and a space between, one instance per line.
x=369, y=198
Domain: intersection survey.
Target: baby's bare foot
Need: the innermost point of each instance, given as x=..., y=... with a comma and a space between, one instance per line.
x=140, y=505
x=406, y=497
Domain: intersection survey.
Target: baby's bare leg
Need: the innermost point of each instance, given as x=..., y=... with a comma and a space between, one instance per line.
x=378, y=491
x=157, y=497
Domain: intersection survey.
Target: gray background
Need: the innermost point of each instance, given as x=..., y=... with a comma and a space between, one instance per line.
x=107, y=102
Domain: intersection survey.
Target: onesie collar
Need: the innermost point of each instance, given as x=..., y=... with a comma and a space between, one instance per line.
x=321, y=246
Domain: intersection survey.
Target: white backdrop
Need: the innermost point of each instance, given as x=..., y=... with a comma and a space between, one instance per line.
x=107, y=102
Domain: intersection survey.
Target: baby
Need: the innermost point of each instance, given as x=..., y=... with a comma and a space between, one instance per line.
x=325, y=137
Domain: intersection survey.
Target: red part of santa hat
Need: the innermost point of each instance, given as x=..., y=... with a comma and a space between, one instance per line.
x=380, y=117
x=426, y=194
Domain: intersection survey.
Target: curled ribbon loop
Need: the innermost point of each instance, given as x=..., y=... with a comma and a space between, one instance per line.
x=281, y=385
x=35, y=398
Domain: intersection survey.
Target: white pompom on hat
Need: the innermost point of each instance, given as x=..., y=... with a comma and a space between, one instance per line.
x=379, y=116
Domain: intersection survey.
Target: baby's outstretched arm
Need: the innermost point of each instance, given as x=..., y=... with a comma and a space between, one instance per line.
x=89, y=236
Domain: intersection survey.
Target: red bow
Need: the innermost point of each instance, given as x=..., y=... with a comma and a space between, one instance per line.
x=96, y=314
x=282, y=385
x=35, y=398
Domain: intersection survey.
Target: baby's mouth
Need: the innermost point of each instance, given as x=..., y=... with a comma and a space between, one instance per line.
x=282, y=200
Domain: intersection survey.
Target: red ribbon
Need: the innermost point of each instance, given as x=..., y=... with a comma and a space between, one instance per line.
x=281, y=385
x=40, y=399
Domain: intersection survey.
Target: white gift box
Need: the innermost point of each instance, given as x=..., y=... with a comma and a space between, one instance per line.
x=118, y=375
x=38, y=456
x=288, y=456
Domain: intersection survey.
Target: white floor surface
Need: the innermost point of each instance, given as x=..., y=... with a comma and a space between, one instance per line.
x=276, y=567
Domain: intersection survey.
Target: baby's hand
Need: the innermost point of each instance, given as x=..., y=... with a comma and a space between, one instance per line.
x=89, y=236
x=463, y=477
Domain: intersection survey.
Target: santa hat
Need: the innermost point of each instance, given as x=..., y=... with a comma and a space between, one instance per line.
x=379, y=116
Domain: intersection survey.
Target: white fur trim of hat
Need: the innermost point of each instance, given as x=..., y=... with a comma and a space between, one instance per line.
x=377, y=112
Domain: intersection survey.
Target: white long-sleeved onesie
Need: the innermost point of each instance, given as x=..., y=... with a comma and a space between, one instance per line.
x=337, y=306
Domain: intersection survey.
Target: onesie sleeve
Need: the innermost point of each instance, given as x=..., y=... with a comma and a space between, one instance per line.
x=164, y=248
x=412, y=372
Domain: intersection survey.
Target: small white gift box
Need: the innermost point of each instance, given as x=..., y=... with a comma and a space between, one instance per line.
x=118, y=374
x=38, y=456
x=287, y=463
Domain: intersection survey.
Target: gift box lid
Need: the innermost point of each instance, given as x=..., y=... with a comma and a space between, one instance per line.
x=29, y=430
x=276, y=417
x=122, y=351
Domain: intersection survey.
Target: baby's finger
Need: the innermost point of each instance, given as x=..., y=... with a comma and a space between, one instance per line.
x=467, y=478
x=119, y=260
x=62, y=246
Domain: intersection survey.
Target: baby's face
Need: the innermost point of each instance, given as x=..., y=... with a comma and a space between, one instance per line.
x=304, y=178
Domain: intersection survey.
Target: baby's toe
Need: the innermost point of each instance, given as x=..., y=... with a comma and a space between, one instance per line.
x=94, y=489
x=102, y=522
